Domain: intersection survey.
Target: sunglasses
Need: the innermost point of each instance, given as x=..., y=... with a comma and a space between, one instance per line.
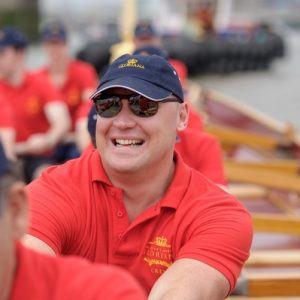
x=108, y=106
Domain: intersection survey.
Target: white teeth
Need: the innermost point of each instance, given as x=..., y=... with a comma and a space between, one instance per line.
x=128, y=142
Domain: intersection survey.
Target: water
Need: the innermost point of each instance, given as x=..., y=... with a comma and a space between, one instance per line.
x=275, y=92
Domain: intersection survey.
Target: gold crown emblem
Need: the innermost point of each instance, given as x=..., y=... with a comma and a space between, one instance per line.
x=161, y=241
x=132, y=61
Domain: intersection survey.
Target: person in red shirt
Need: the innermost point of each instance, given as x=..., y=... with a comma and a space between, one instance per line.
x=133, y=202
x=74, y=79
x=7, y=131
x=29, y=275
x=40, y=118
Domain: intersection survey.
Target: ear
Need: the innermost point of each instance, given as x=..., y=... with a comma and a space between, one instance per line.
x=183, y=116
x=18, y=209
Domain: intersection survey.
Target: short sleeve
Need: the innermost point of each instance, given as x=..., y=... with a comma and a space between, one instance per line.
x=52, y=207
x=220, y=235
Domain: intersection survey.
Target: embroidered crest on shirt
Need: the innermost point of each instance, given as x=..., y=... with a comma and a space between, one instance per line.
x=158, y=255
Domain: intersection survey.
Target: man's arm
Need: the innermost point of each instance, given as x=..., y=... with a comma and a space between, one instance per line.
x=36, y=244
x=7, y=136
x=59, y=120
x=190, y=279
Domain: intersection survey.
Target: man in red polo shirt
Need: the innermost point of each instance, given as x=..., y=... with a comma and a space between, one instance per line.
x=40, y=118
x=74, y=79
x=138, y=205
x=29, y=275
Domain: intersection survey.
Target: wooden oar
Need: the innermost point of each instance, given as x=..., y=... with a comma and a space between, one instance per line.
x=258, y=284
x=267, y=178
x=276, y=223
x=274, y=258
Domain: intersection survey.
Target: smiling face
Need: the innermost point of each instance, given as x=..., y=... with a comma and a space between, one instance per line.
x=129, y=144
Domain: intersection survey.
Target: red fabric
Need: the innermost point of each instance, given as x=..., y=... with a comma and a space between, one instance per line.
x=202, y=152
x=181, y=70
x=83, y=110
x=28, y=102
x=80, y=76
x=6, y=115
x=43, y=277
x=195, y=120
x=75, y=209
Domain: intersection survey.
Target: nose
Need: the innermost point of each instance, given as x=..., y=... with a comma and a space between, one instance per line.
x=125, y=118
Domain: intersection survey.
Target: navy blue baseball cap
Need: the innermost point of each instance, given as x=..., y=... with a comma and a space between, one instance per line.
x=54, y=31
x=12, y=37
x=144, y=30
x=151, y=76
x=4, y=165
x=151, y=50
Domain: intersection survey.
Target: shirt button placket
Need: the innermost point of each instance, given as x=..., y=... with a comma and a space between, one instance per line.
x=120, y=214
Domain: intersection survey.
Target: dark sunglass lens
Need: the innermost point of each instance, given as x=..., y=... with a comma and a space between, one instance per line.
x=143, y=107
x=109, y=107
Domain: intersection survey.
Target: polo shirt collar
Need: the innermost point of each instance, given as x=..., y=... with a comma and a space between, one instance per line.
x=98, y=173
x=179, y=184
x=174, y=193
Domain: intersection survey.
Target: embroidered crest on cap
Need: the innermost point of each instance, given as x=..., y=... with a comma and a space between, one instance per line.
x=132, y=63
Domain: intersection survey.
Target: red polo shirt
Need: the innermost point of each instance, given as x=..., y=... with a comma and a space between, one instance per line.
x=202, y=152
x=43, y=277
x=80, y=76
x=6, y=114
x=195, y=120
x=75, y=209
x=28, y=102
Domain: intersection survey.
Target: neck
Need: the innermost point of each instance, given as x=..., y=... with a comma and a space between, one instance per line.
x=144, y=189
x=59, y=66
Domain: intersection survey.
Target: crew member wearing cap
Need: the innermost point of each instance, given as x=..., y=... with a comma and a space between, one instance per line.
x=74, y=79
x=138, y=205
x=40, y=118
x=26, y=274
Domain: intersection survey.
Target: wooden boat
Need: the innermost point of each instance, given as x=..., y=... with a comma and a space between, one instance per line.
x=261, y=162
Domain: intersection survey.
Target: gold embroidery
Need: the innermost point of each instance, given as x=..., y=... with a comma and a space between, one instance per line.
x=132, y=63
x=158, y=255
